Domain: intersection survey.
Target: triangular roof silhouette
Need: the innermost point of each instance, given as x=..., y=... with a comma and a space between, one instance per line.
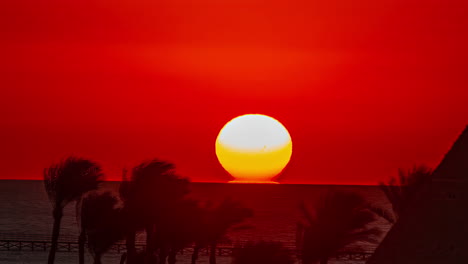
x=434, y=228
x=455, y=163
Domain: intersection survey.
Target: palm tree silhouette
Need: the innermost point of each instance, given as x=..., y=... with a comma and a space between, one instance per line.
x=180, y=228
x=337, y=220
x=152, y=191
x=218, y=220
x=65, y=182
x=262, y=252
x=401, y=189
x=101, y=222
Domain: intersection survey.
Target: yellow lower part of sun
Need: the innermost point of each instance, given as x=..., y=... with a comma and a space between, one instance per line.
x=263, y=182
x=253, y=166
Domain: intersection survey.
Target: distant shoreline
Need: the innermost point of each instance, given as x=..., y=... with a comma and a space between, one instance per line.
x=197, y=182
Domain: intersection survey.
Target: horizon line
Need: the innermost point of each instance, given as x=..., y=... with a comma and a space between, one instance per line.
x=243, y=183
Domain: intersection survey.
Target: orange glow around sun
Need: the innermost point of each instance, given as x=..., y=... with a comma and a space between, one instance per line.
x=254, y=148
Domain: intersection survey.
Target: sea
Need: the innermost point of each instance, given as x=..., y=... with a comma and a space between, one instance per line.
x=25, y=212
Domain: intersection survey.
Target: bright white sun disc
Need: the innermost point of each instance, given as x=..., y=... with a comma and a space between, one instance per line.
x=253, y=148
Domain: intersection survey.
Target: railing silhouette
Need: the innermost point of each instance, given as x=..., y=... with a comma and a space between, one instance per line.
x=62, y=246
x=22, y=243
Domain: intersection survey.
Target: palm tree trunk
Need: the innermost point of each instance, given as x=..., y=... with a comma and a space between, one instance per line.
x=57, y=213
x=172, y=257
x=213, y=253
x=130, y=245
x=81, y=246
x=97, y=259
x=151, y=245
x=162, y=255
x=123, y=258
x=195, y=254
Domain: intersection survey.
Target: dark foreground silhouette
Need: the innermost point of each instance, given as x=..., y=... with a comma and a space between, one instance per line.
x=432, y=226
x=66, y=182
x=153, y=200
x=428, y=212
x=335, y=221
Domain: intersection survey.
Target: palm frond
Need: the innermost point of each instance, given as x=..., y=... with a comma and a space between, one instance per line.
x=340, y=218
x=400, y=190
x=102, y=221
x=370, y=235
x=382, y=212
x=70, y=179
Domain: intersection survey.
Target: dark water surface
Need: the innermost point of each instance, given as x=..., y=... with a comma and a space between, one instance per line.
x=26, y=212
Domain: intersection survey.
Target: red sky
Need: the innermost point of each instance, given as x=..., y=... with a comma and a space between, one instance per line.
x=364, y=87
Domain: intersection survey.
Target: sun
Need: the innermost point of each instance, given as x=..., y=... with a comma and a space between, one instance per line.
x=253, y=148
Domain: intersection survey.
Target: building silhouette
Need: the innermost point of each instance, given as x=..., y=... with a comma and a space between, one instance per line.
x=434, y=228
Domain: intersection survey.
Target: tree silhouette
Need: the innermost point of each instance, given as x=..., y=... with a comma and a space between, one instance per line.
x=262, y=252
x=153, y=190
x=401, y=189
x=216, y=222
x=180, y=228
x=65, y=182
x=82, y=235
x=337, y=220
x=101, y=222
